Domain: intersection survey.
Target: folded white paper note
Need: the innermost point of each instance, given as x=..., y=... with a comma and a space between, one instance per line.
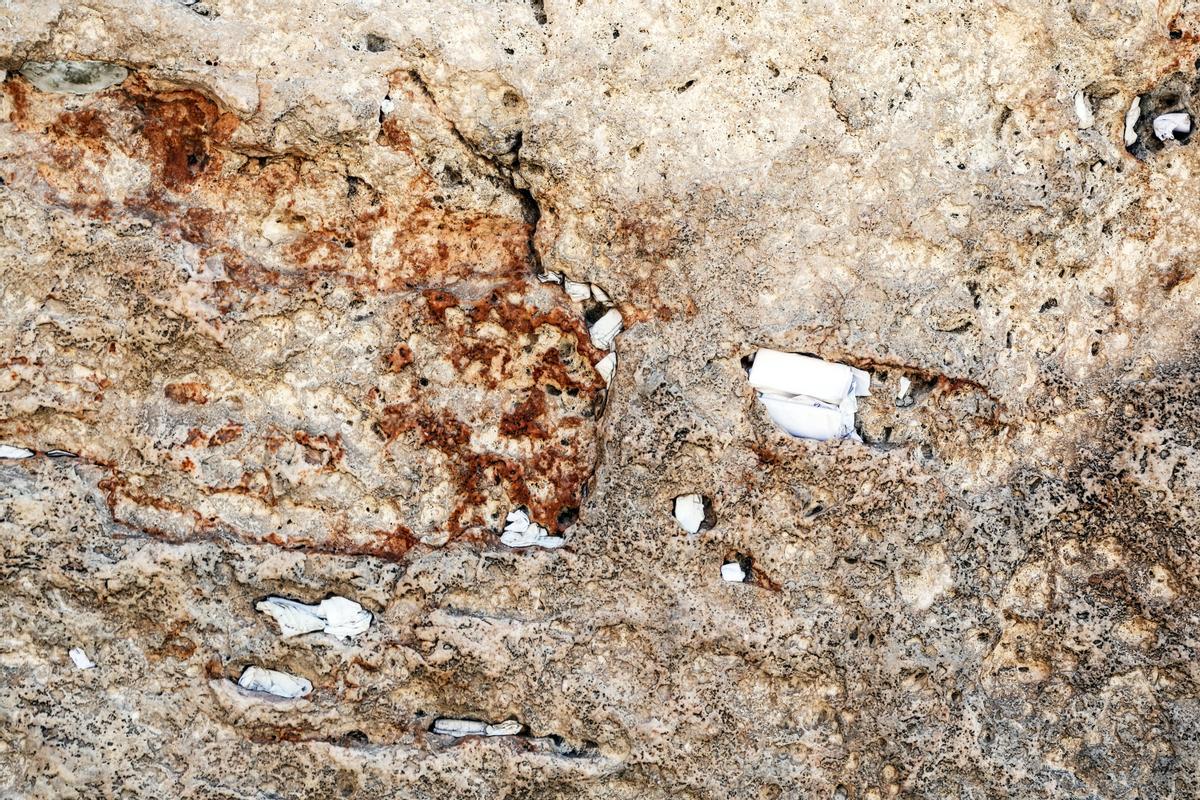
x=604, y=331
x=776, y=372
x=733, y=572
x=80, y=658
x=520, y=531
x=473, y=727
x=1131, y=118
x=606, y=366
x=689, y=512
x=7, y=451
x=269, y=681
x=336, y=616
x=1167, y=125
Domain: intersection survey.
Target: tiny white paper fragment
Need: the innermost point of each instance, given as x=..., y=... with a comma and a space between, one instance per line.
x=520, y=531
x=61, y=454
x=80, y=659
x=689, y=512
x=606, y=366
x=336, y=616
x=1167, y=125
x=269, y=681
x=386, y=105
x=903, y=394
x=733, y=572
x=473, y=727
x=550, y=277
x=73, y=77
x=1083, y=110
x=1131, y=118
x=599, y=295
x=577, y=290
x=605, y=329
x=807, y=397
x=8, y=451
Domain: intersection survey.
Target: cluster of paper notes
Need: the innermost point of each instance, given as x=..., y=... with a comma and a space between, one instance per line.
x=807, y=397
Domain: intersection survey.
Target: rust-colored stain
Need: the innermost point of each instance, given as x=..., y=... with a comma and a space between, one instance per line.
x=478, y=395
x=225, y=434
x=186, y=393
x=400, y=357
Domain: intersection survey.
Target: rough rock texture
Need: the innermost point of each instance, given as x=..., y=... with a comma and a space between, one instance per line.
x=275, y=292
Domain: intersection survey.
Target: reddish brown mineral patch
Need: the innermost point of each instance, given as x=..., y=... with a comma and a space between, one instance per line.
x=392, y=373
x=186, y=393
x=225, y=434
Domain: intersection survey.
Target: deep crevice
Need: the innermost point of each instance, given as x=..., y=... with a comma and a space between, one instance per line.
x=506, y=173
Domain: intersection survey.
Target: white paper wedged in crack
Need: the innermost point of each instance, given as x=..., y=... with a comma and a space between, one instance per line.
x=776, y=372
x=473, y=727
x=80, y=659
x=606, y=366
x=1131, y=118
x=733, y=572
x=689, y=512
x=605, y=329
x=336, y=616
x=459, y=727
x=344, y=618
x=550, y=277
x=807, y=397
x=807, y=419
x=577, y=290
x=1083, y=110
x=61, y=454
x=510, y=727
x=520, y=531
x=599, y=295
x=8, y=451
x=1167, y=125
x=269, y=681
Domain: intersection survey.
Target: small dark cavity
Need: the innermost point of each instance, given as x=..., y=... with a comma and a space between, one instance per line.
x=1178, y=92
x=539, y=11
x=710, y=516
x=1049, y=304
x=355, y=738
x=1176, y=34
x=594, y=312
x=567, y=517
x=377, y=44
x=686, y=86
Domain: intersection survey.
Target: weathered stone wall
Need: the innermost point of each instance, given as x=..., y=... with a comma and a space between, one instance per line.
x=273, y=289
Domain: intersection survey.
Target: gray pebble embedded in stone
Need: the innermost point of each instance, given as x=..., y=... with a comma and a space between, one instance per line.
x=73, y=77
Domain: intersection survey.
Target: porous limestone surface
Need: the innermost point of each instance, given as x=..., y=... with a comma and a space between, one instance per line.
x=269, y=281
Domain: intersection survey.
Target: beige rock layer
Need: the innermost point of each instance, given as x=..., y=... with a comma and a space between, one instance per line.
x=277, y=291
